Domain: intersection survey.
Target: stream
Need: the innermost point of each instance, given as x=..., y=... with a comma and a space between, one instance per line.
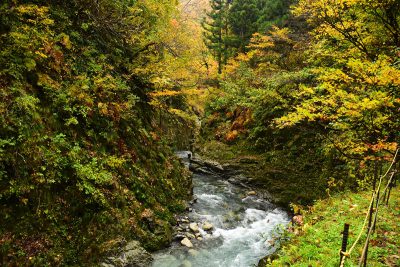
x=244, y=227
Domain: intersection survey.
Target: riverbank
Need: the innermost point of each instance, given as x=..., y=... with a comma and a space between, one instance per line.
x=318, y=240
x=281, y=182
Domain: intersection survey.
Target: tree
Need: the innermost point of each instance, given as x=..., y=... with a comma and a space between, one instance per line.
x=243, y=22
x=272, y=12
x=356, y=91
x=216, y=31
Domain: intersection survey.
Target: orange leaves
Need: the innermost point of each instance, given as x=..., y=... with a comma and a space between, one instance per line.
x=231, y=135
x=175, y=23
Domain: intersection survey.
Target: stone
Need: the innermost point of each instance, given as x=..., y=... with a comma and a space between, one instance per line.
x=179, y=237
x=186, y=263
x=186, y=242
x=207, y=226
x=194, y=167
x=200, y=238
x=194, y=227
x=133, y=255
x=252, y=193
x=136, y=256
x=193, y=252
x=197, y=235
x=208, y=236
x=190, y=236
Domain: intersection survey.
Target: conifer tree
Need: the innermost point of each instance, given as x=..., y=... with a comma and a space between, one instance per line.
x=243, y=17
x=272, y=12
x=216, y=31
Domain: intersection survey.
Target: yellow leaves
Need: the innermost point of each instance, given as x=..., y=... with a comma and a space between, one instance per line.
x=259, y=41
x=66, y=41
x=40, y=54
x=383, y=146
x=103, y=108
x=165, y=93
x=36, y=15
x=378, y=73
x=32, y=10
x=115, y=162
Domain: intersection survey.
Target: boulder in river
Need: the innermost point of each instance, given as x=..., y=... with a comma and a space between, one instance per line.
x=211, y=166
x=186, y=263
x=194, y=227
x=133, y=255
x=252, y=193
x=207, y=226
x=190, y=236
x=186, y=242
x=193, y=252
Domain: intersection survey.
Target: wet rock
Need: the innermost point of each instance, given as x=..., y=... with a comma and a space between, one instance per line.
x=209, y=165
x=239, y=180
x=204, y=170
x=197, y=235
x=190, y=236
x=179, y=237
x=193, y=252
x=186, y=242
x=194, y=227
x=186, y=263
x=200, y=238
x=133, y=255
x=207, y=226
x=194, y=166
x=194, y=200
x=252, y=193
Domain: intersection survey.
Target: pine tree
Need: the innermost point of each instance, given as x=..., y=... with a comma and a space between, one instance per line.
x=272, y=12
x=243, y=17
x=216, y=31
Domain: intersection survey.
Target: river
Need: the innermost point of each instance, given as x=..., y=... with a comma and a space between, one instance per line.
x=244, y=231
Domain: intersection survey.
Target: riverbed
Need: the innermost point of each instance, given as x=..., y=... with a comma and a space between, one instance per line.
x=245, y=227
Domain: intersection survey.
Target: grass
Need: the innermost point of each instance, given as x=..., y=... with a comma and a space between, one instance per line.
x=318, y=241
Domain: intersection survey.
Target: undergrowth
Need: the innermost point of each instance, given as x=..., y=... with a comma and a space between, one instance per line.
x=318, y=241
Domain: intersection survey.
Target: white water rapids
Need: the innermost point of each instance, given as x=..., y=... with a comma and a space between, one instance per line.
x=243, y=228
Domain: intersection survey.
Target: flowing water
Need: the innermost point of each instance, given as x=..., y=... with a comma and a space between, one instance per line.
x=243, y=227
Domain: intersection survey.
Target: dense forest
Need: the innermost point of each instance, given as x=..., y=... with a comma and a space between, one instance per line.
x=97, y=96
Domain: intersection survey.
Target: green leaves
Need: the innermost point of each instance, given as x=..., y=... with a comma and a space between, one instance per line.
x=78, y=148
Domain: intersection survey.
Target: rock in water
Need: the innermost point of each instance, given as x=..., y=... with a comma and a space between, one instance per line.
x=194, y=227
x=186, y=263
x=193, y=252
x=252, y=193
x=136, y=256
x=186, y=242
x=133, y=255
x=190, y=236
x=207, y=226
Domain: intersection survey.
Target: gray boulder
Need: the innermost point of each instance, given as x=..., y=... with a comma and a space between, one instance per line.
x=133, y=255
